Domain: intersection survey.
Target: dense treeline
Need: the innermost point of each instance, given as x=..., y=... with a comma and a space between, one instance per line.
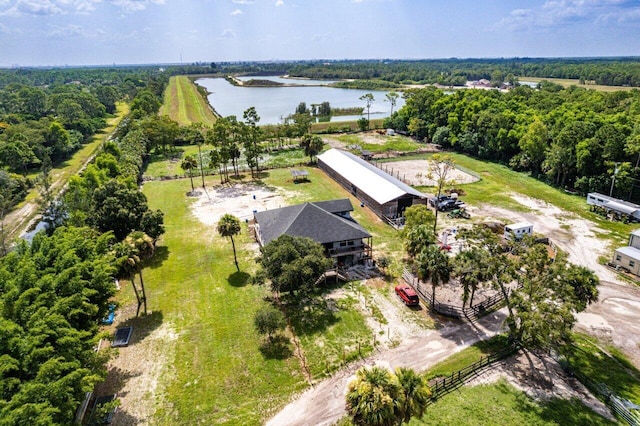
x=606, y=71
x=55, y=291
x=577, y=138
x=47, y=114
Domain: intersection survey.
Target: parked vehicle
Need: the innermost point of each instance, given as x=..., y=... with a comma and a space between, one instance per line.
x=408, y=295
x=434, y=201
x=463, y=213
x=450, y=204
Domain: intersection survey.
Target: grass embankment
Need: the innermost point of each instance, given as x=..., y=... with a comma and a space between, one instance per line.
x=184, y=104
x=23, y=215
x=219, y=373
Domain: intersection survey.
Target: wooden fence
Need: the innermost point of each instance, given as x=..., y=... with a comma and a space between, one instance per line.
x=444, y=385
x=471, y=313
x=618, y=405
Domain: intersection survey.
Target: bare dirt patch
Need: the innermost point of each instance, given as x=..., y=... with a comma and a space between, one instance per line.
x=415, y=172
x=240, y=200
x=135, y=373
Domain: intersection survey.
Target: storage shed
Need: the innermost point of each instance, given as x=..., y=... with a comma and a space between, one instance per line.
x=627, y=258
x=385, y=195
x=518, y=230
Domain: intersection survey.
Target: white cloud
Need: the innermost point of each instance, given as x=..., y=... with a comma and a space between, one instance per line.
x=47, y=7
x=244, y=1
x=554, y=13
x=236, y=12
x=279, y=3
x=68, y=31
x=4, y=29
x=134, y=5
x=227, y=34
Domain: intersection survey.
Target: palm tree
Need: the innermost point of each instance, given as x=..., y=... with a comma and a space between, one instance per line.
x=392, y=97
x=372, y=398
x=433, y=264
x=469, y=267
x=132, y=252
x=417, y=238
x=228, y=226
x=368, y=98
x=143, y=247
x=188, y=164
x=415, y=393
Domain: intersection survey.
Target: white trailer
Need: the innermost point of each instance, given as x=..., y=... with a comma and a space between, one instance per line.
x=518, y=230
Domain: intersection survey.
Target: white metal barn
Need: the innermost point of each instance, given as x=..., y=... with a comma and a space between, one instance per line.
x=385, y=195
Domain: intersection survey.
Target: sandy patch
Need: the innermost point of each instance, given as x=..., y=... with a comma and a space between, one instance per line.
x=240, y=200
x=139, y=371
x=415, y=172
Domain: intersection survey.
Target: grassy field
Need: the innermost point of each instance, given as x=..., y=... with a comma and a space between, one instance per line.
x=566, y=82
x=211, y=306
x=498, y=182
x=184, y=104
x=194, y=285
x=502, y=404
x=393, y=143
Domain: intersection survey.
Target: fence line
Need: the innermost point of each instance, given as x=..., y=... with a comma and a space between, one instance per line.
x=443, y=386
x=613, y=401
x=471, y=313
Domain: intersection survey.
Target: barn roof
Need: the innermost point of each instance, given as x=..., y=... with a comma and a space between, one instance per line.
x=376, y=183
x=310, y=220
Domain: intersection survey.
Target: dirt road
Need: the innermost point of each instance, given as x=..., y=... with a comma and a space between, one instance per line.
x=615, y=317
x=323, y=404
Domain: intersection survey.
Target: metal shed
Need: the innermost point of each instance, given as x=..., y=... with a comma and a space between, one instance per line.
x=385, y=195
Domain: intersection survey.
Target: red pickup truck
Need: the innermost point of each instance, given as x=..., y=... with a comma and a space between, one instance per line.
x=407, y=295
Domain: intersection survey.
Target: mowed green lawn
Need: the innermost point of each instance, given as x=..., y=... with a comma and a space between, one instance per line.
x=184, y=104
x=219, y=374
x=501, y=404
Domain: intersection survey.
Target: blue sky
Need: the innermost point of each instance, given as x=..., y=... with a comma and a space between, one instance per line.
x=97, y=32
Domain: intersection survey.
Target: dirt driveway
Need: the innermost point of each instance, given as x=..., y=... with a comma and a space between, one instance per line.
x=616, y=317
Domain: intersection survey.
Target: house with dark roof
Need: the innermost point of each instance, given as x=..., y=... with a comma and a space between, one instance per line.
x=385, y=195
x=326, y=222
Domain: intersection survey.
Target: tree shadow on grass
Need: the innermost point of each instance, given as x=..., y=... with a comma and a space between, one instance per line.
x=160, y=254
x=142, y=325
x=238, y=279
x=278, y=347
x=311, y=317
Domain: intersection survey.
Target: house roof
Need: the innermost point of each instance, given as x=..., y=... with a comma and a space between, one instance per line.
x=310, y=220
x=369, y=179
x=636, y=233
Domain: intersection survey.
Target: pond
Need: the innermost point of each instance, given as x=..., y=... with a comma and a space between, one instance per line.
x=273, y=104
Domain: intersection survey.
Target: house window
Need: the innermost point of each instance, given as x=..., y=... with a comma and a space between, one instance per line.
x=351, y=243
x=632, y=263
x=343, y=243
x=618, y=258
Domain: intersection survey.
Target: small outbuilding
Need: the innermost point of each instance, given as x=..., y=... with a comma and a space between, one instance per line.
x=518, y=230
x=628, y=258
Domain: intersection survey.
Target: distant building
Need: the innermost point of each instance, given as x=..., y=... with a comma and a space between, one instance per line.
x=385, y=195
